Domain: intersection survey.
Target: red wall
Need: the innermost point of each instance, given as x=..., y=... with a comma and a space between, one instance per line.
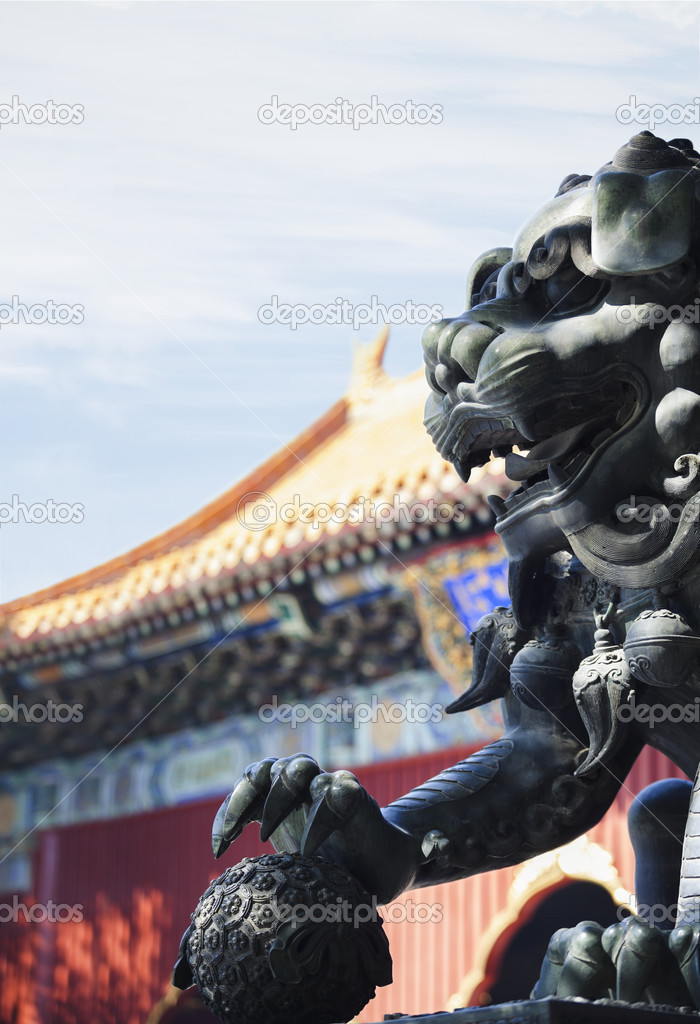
x=137, y=880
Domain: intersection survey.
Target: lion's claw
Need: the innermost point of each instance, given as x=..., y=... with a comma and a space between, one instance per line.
x=338, y=802
x=218, y=844
x=269, y=792
x=241, y=806
x=576, y=964
x=303, y=809
x=643, y=964
x=289, y=790
x=632, y=961
x=683, y=942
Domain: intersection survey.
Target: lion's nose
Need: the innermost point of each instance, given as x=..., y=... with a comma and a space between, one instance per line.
x=469, y=346
x=454, y=348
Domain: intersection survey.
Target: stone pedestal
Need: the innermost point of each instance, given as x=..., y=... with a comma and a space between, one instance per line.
x=557, y=1011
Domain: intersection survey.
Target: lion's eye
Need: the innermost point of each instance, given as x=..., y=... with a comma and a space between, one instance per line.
x=569, y=289
x=488, y=289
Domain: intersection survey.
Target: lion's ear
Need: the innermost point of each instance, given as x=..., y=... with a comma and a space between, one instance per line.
x=482, y=269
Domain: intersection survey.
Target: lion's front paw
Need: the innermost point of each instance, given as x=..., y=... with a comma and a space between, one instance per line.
x=631, y=961
x=304, y=809
x=275, y=790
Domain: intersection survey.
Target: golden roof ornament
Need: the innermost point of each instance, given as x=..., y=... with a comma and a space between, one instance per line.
x=367, y=368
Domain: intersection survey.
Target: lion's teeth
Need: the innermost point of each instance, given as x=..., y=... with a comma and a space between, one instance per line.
x=464, y=469
x=498, y=505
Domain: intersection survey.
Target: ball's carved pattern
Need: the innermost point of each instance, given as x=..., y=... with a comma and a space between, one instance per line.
x=244, y=916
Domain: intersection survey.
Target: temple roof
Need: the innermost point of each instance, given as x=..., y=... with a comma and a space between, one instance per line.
x=369, y=449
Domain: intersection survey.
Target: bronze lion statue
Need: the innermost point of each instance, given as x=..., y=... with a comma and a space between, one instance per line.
x=578, y=361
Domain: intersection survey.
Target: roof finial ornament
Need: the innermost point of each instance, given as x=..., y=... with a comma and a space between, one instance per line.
x=367, y=366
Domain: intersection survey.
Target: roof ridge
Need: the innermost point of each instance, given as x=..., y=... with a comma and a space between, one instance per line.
x=198, y=523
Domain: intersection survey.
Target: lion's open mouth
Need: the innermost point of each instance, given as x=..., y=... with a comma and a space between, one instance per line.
x=557, y=438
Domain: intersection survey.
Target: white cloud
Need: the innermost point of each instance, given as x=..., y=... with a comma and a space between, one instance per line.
x=172, y=214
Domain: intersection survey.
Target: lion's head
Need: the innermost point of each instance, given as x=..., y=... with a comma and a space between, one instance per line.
x=580, y=348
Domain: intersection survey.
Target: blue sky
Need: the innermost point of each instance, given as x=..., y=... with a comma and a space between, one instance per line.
x=172, y=214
